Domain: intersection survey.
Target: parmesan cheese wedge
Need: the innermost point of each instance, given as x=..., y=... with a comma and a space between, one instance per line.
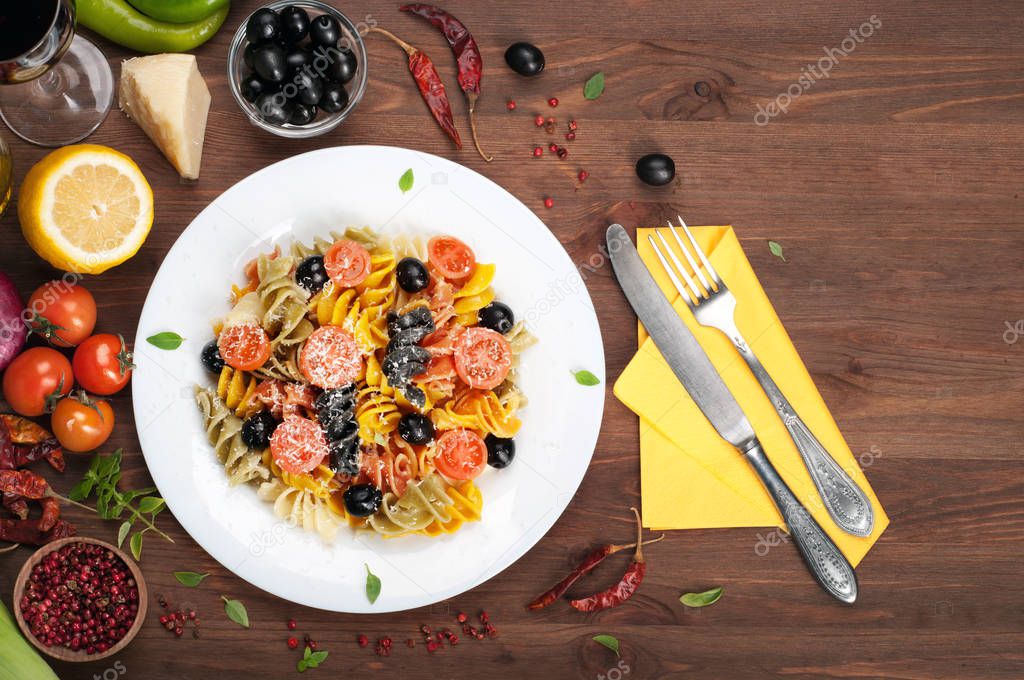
x=168, y=98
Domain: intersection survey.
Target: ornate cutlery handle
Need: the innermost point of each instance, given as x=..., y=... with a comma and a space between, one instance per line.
x=823, y=558
x=844, y=500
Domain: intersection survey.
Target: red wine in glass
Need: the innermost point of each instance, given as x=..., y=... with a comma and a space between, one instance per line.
x=23, y=25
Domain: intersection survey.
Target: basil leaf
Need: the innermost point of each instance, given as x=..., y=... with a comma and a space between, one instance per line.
x=776, y=250
x=136, y=545
x=406, y=180
x=79, y=492
x=315, y=659
x=301, y=666
x=151, y=504
x=189, y=578
x=122, y=533
x=372, y=585
x=608, y=641
x=167, y=340
x=586, y=378
x=595, y=86
x=236, y=612
x=704, y=599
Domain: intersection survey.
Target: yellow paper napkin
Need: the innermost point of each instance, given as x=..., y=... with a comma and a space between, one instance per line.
x=692, y=478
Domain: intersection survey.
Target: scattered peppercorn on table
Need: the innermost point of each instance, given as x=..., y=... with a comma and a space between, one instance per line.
x=886, y=170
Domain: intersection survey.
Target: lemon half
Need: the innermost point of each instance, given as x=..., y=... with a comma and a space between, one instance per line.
x=85, y=208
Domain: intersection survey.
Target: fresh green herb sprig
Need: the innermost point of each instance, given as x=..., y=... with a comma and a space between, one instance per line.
x=311, y=659
x=137, y=505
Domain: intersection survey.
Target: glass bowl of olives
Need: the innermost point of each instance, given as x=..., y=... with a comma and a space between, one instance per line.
x=297, y=69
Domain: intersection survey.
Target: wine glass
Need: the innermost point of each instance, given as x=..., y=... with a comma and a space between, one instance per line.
x=5, y=176
x=55, y=87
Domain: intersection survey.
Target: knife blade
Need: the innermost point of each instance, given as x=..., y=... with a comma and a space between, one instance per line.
x=701, y=379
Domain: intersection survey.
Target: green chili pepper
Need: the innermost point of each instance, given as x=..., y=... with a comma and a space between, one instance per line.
x=121, y=23
x=178, y=11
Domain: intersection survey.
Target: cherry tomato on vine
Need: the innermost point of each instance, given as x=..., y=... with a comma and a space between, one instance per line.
x=81, y=424
x=102, y=364
x=36, y=379
x=64, y=314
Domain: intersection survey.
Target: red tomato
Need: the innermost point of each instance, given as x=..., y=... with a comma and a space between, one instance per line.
x=461, y=454
x=331, y=358
x=62, y=313
x=439, y=367
x=298, y=445
x=452, y=258
x=102, y=364
x=482, y=358
x=82, y=425
x=347, y=263
x=35, y=376
x=244, y=347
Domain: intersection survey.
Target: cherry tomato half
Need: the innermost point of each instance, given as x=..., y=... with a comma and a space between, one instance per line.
x=298, y=445
x=347, y=263
x=35, y=376
x=102, y=364
x=482, y=358
x=461, y=454
x=64, y=314
x=80, y=424
x=244, y=347
x=452, y=258
x=331, y=358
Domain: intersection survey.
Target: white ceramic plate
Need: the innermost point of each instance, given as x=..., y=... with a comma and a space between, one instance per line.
x=311, y=195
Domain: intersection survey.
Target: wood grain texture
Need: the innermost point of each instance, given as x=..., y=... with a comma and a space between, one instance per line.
x=893, y=185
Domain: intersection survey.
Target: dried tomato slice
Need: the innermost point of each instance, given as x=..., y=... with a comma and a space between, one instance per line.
x=482, y=358
x=331, y=358
x=347, y=263
x=298, y=445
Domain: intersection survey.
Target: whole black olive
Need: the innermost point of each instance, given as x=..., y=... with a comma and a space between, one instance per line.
x=269, y=63
x=250, y=50
x=263, y=26
x=253, y=86
x=210, y=357
x=334, y=98
x=311, y=274
x=311, y=88
x=325, y=30
x=302, y=114
x=294, y=24
x=497, y=316
x=342, y=66
x=500, y=452
x=273, y=108
x=524, y=58
x=362, y=500
x=656, y=169
x=256, y=430
x=415, y=428
x=412, y=275
x=297, y=59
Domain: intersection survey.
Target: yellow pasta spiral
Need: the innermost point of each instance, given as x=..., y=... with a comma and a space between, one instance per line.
x=474, y=295
x=377, y=415
x=482, y=411
x=376, y=297
x=467, y=506
x=236, y=390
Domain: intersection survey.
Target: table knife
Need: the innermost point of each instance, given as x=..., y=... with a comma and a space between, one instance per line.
x=694, y=369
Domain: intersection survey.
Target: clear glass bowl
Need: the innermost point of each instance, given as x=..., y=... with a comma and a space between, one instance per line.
x=325, y=122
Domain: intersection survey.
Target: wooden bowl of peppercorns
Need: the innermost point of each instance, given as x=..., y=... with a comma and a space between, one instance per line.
x=80, y=599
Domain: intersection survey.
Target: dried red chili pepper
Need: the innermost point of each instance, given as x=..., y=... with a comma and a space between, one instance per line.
x=15, y=504
x=467, y=56
x=429, y=83
x=24, y=483
x=594, y=558
x=27, y=531
x=23, y=442
x=627, y=585
x=51, y=513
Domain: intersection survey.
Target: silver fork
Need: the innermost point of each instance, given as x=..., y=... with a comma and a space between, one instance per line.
x=714, y=305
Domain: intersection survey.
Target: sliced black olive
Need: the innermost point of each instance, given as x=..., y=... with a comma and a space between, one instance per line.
x=497, y=316
x=335, y=398
x=294, y=24
x=269, y=63
x=524, y=58
x=211, y=358
x=334, y=99
x=500, y=451
x=341, y=430
x=325, y=30
x=345, y=456
x=273, y=108
x=310, y=87
x=342, y=66
x=256, y=431
x=412, y=275
x=419, y=317
x=415, y=395
x=416, y=428
x=263, y=26
x=311, y=274
x=297, y=59
x=656, y=169
x=362, y=500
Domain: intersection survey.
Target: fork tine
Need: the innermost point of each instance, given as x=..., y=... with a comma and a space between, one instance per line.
x=689, y=258
x=675, y=280
x=698, y=294
x=700, y=253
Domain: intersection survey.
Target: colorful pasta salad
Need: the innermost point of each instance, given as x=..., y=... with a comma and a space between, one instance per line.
x=366, y=382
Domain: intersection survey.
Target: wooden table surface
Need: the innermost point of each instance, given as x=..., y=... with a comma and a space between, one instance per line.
x=894, y=187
